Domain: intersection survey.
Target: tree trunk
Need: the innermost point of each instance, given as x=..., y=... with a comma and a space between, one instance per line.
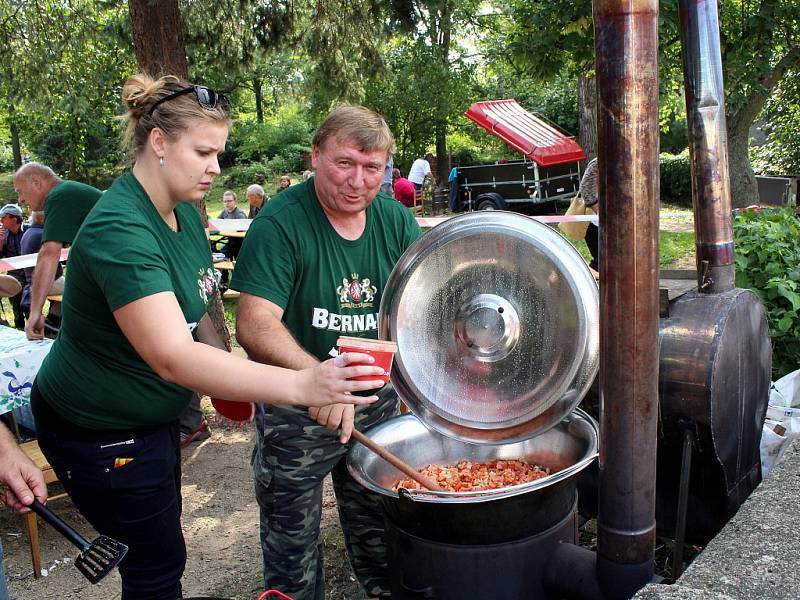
x=744, y=189
x=443, y=102
x=159, y=46
x=442, y=157
x=158, y=37
x=15, y=145
x=258, y=91
x=587, y=115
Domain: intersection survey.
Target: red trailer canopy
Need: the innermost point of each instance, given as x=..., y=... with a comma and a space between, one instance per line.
x=542, y=143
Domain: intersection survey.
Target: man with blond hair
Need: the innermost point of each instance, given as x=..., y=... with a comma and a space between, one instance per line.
x=313, y=267
x=65, y=204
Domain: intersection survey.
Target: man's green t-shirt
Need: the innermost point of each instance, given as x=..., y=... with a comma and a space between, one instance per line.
x=66, y=208
x=327, y=286
x=92, y=376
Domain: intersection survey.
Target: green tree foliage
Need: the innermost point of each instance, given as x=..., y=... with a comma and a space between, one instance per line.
x=411, y=93
x=59, y=80
x=248, y=49
x=760, y=43
x=676, y=178
x=780, y=155
x=342, y=39
x=768, y=262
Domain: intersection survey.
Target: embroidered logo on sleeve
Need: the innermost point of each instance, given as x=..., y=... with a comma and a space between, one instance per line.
x=121, y=462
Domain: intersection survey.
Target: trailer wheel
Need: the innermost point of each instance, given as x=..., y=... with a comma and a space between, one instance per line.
x=490, y=201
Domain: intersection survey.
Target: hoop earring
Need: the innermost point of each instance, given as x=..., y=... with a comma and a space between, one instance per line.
x=161, y=161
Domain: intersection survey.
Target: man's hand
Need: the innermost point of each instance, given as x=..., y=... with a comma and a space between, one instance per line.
x=17, y=471
x=334, y=417
x=34, y=327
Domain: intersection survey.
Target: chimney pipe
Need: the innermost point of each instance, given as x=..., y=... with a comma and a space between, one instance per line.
x=708, y=145
x=626, y=49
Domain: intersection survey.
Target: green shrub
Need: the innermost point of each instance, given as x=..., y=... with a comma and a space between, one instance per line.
x=768, y=262
x=258, y=142
x=6, y=158
x=289, y=159
x=676, y=179
x=244, y=175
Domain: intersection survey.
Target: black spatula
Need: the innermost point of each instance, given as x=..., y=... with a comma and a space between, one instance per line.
x=97, y=558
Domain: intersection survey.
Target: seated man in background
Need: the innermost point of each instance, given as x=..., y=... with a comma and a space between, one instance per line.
x=231, y=210
x=10, y=245
x=403, y=189
x=31, y=242
x=256, y=198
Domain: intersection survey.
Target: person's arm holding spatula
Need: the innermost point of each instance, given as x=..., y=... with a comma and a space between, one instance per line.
x=23, y=478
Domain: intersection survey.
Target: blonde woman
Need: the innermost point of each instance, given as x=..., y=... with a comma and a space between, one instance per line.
x=130, y=351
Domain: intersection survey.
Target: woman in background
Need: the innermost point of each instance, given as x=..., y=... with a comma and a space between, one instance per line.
x=585, y=203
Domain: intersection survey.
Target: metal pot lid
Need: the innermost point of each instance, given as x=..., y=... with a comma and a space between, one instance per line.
x=495, y=317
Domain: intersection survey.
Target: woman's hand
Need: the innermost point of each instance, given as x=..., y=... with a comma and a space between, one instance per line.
x=331, y=382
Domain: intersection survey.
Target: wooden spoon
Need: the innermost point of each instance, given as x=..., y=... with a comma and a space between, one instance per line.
x=396, y=462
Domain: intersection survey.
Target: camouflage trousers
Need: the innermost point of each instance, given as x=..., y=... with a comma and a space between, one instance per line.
x=292, y=457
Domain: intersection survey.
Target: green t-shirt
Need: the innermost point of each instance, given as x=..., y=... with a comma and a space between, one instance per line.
x=327, y=286
x=125, y=251
x=65, y=210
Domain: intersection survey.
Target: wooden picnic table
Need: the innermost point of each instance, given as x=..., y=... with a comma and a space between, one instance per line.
x=231, y=234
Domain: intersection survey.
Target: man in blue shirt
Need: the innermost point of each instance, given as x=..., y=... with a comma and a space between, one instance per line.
x=10, y=239
x=388, y=180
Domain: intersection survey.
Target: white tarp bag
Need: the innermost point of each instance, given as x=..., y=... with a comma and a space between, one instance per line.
x=786, y=391
x=782, y=424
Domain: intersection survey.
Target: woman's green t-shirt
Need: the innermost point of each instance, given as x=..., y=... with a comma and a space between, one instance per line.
x=125, y=251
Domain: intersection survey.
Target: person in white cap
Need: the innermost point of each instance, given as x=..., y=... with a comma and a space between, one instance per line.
x=10, y=239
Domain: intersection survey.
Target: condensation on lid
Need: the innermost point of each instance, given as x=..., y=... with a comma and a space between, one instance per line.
x=496, y=321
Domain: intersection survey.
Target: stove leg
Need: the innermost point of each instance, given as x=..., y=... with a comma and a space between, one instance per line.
x=683, y=500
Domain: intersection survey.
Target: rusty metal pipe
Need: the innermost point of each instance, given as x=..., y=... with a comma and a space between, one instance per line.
x=708, y=145
x=626, y=49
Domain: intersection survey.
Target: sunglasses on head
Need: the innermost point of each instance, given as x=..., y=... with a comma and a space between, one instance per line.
x=206, y=97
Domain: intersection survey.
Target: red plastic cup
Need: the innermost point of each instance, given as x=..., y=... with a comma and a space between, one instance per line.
x=382, y=351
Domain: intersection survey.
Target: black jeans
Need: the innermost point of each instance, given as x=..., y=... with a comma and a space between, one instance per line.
x=127, y=485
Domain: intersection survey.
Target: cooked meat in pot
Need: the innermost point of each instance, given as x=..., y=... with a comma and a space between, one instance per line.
x=468, y=476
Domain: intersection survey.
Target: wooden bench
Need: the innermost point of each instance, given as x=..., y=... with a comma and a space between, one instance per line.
x=32, y=451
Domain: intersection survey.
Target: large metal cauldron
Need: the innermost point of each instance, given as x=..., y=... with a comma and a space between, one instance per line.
x=488, y=517
x=496, y=322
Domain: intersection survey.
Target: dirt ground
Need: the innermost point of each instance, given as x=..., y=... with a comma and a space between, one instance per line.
x=220, y=522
